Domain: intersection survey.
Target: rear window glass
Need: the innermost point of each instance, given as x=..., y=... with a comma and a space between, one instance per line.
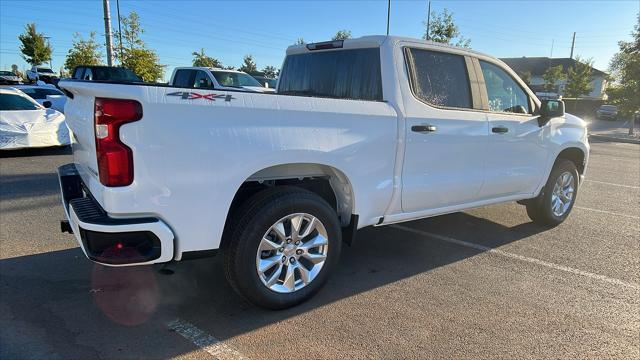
x=439, y=78
x=40, y=93
x=115, y=74
x=345, y=74
x=10, y=102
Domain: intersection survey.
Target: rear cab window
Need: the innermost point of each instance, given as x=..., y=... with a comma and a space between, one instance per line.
x=341, y=74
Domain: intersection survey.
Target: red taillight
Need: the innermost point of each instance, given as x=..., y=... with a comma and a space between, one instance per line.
x=115, y=159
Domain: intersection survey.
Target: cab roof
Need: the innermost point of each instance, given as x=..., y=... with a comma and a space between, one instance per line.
x=379, y=41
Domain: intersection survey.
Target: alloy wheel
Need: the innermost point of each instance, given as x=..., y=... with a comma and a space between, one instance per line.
x=292, y=253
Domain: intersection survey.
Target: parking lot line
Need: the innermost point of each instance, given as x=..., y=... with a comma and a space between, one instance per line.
x=521, y=258
x=607, y=212
x=613, y=184
x=203, y=340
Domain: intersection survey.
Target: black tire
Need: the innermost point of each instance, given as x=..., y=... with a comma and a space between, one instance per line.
x=252, y=220
x=539, y=209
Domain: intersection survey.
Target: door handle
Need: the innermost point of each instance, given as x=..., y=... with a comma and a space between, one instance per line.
x=500, y=130
x=424, y=128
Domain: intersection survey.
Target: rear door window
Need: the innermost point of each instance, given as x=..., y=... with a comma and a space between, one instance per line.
x=183, y=78
x=343, y=74
x=78, y=73
x=88, y=74
x=202, y=80
x=439, y=78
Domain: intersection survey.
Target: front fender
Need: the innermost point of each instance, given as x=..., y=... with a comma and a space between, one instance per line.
x=561, y=134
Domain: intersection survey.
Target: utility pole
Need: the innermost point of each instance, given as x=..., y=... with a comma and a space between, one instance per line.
x=120, y=31
x=552, y=41
x=573, y=43
x=107, y=31
x=49, y=45
x=428, y=18
x=388, y=15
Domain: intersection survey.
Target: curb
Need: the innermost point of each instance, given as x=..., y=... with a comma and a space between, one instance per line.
x=614, y=139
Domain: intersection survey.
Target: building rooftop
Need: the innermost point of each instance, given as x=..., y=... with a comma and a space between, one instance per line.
x=538, y=65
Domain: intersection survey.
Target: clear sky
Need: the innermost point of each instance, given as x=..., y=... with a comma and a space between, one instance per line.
x=228, y=30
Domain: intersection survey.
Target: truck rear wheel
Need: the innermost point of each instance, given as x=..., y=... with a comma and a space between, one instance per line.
x=284, y=243
x=557, y=197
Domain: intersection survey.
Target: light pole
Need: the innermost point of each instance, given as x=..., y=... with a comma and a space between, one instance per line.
x=120, y=31
x=388, y=15
x=107, y=31
x=50, y=56
x=428, y=18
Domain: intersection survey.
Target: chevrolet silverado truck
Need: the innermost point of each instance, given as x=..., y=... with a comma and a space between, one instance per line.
x=362, y=132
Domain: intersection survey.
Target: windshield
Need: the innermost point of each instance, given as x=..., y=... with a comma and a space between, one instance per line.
x=40, y=93
x=6, y=73
x=608, y=107
x=10, y=102
x=227, y=78
x=45, y=70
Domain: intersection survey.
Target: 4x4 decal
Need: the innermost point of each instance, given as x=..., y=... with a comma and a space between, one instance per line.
x=187, y=95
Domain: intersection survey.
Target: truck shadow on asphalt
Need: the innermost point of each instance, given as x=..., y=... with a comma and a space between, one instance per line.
x=62, y=290
x=18, y=186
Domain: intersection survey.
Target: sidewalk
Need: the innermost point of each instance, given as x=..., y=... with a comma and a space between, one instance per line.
x=617, y=131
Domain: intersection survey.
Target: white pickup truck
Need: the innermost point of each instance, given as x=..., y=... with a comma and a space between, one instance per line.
x=369, y=131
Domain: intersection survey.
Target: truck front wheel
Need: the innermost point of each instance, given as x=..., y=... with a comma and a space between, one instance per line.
x=557, y=197
x=284, y=243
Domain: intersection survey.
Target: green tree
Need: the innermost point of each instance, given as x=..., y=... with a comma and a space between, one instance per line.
x=270, y=72
x=579, y=78
x=551, y=77
x=342, y=35
x=625, y=71
x=442, y=29
x=300, y=41
x=229, y=67
x=135, y=54
x=35, y=49
x=201, y=59
x=83, y=52
x=248, y=65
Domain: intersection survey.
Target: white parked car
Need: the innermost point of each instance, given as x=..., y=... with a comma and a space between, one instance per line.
x=24, y=123
x=41, y=72
x=362, y=132
x=46, y=92
x=8, y=78
x=213, y=78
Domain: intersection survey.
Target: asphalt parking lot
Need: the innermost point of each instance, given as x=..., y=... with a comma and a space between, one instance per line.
x=485, y=283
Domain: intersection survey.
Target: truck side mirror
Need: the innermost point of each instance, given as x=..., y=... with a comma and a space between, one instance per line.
x=550, y=109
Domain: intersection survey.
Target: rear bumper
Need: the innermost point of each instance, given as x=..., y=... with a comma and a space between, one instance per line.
x=109, y=240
